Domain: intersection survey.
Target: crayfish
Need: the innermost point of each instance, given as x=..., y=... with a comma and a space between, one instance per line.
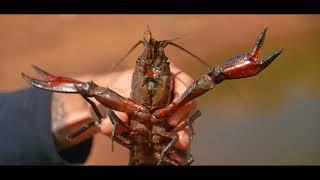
x=148, y=136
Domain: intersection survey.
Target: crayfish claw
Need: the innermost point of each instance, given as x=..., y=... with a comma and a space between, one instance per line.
x=51, y=82
x=259, y=43
x=248, y=65
x=37, y=83
x=42, y=72
x=269, y=59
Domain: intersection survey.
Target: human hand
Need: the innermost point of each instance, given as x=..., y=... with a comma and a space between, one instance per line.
x=70, y=112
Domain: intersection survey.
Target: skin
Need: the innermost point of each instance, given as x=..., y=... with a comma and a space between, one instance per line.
x=70, y=111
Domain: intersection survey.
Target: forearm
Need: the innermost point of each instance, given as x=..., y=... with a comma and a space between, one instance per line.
x=26, y=131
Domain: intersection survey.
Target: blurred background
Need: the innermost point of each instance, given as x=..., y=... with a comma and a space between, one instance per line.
x=270, y=119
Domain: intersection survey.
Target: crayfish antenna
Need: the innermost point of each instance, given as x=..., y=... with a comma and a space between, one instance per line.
x=112, y=145
x=125, y=56
x=188, y=52
x=149, y=31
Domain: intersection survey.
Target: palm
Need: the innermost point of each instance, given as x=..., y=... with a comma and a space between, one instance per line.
x=121, y=83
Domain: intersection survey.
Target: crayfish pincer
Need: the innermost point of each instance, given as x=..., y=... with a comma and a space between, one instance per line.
x=148, y=136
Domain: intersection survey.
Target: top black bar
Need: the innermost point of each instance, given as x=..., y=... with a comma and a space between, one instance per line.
x=162, y=7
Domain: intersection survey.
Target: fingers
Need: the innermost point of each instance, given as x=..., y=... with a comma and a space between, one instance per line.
x=182, y=114
x=184, y=142
x=181, y=82
x=119, y=82
x=107, y=126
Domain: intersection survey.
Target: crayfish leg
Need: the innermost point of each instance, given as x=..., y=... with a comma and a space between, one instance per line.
x=117, y=122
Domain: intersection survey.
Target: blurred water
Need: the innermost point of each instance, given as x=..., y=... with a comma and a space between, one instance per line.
x=286, y=135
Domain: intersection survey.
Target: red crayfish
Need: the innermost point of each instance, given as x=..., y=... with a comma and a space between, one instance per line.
x=148, y=136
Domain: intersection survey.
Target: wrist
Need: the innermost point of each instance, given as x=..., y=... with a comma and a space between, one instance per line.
x=69, y=112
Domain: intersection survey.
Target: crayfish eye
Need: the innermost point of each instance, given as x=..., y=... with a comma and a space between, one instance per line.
x=166, y=60
x=139, y=60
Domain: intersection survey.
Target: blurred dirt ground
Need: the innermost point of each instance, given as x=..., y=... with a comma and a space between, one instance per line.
x=71, y=45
